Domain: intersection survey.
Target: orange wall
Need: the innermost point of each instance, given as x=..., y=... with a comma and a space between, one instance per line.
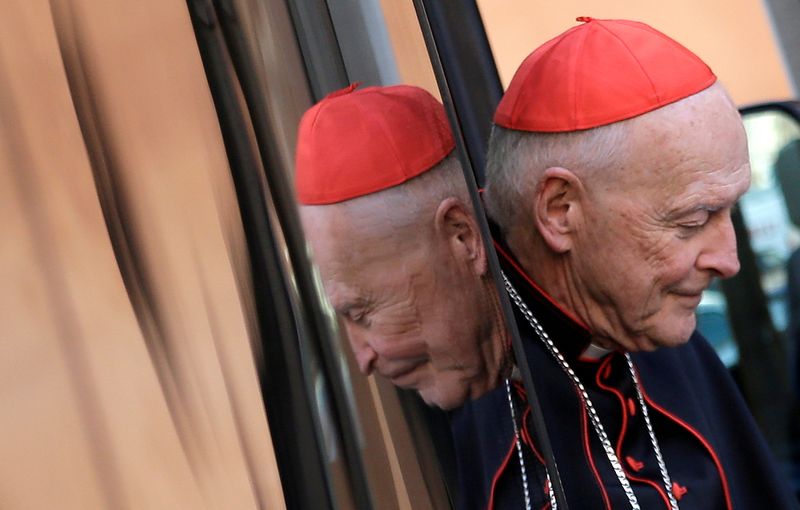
x=410, y=52
x=733, y=36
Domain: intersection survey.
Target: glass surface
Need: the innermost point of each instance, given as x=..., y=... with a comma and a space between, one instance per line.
x=774, y=236
x=405, y=444
x=712, y=322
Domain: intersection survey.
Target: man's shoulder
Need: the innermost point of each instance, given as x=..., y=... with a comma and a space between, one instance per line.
x=690, y=377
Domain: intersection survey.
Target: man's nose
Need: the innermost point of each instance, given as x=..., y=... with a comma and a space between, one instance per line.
x=366, y=359
x=720, y=253
x=365, y=355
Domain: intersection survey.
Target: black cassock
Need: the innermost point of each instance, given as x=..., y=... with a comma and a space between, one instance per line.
x=716, y=457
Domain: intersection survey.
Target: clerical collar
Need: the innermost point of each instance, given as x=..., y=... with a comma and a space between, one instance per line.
x=573, y=338
x=594, y=352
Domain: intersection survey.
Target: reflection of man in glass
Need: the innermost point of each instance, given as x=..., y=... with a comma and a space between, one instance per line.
x=388, y=216
x=612, y=170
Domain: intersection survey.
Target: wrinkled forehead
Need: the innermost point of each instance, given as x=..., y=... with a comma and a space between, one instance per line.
x=695, y=136
x=329, y=239
x=703, y=120
x=334, y=239
x=345, y=294
x=350, y=249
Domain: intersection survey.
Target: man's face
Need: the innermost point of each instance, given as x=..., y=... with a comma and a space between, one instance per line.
x=412, y=313
x=655, y=237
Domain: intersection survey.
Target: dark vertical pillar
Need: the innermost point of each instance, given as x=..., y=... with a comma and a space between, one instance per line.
x=471, y=72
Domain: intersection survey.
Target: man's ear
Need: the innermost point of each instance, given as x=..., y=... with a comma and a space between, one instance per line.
x=557, y=206
x=456, y=225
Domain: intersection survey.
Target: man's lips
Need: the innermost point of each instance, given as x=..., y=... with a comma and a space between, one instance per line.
x=693, y=297
x=398, y=373
x=691, y=291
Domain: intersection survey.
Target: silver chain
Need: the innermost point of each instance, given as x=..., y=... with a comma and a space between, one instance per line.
x=662, y=466
x=518, y=443
x=593, y=416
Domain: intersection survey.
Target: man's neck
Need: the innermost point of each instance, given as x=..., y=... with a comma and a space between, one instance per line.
x=555, y=279
x=497, y=353
x=549, y=272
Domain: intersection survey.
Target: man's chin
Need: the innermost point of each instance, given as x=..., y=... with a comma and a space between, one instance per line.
x=650, y=343
x=444, y=400
x=679, y=331
x=666, y=340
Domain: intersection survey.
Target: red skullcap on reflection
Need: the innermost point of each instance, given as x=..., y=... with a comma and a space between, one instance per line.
x=357, y=142
x=597, y=73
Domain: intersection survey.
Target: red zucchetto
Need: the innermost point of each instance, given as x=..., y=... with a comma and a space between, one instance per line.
x=357, y=142
x=597, y=73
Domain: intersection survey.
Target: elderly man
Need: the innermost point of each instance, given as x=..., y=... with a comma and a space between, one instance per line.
x=389, y=220
x=388, y=216
x=613, y=166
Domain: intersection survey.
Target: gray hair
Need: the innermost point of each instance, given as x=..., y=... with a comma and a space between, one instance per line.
x=516, y=159
x=412, y=205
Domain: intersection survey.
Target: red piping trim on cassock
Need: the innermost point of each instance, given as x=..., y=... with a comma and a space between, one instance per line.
x=588, y=451
x=526, y=437
x=546, y=488
x=679, y=490
x=631, y=406
x=522, y=273
x=606, y=368
x=499, y=472
x=695, y=433
x=584, y=425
